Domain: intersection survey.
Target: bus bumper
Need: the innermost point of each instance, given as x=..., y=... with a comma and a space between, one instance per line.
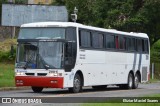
x=46, y=82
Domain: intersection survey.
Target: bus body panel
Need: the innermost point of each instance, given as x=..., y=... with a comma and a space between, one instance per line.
x=98, y=66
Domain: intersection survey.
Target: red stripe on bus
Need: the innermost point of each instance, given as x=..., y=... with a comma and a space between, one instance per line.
x=39, y=81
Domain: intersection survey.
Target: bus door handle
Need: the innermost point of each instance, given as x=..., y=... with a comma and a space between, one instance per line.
x=89, y=73
x=113, y=73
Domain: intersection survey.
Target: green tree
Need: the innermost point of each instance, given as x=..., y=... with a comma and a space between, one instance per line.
x=126, y=15
x=151, y=12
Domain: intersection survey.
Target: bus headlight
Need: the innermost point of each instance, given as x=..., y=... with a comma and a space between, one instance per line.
x=19, y=73
x=54, y=74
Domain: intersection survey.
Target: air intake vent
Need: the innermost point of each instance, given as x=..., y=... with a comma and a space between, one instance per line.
x=144, y=73
x=30, y=74
x=42, y=74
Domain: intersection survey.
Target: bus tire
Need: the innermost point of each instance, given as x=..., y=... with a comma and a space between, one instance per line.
x=100, y=87
x=136, y=81
x=37, y=89
x=130, y=81
x=77, y=84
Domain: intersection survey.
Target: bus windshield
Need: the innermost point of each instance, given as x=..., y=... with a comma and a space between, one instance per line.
x=39, y=55
x=38, y=33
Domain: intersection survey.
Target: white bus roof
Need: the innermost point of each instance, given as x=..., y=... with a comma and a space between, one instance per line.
x=71, y=24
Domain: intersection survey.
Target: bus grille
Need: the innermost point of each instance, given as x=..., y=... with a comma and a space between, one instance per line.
x=32, y=74
x=41, y=74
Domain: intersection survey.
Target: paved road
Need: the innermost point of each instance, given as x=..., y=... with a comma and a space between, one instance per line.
x=111, y=91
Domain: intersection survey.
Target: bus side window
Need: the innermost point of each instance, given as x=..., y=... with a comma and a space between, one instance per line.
x=145, y=46
x=122, y=43
x=117, y=44
x=84, y=38
x=109, y=41
x=139, y=45
x=131, y=44
x=97, y=39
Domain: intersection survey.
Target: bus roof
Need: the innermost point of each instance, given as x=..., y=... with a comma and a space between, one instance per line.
x=72, y=24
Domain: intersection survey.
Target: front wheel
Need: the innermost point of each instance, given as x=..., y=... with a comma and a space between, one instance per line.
x=37, y=89
x=77, y=84
x=136, y=81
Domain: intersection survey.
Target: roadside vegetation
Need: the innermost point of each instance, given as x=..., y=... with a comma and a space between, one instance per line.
x=7, y=75
x=7, y=63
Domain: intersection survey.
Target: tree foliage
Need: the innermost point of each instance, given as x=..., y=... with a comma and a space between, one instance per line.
x=126, y=15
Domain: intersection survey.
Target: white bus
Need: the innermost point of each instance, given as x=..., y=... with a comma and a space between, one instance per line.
x=72, y=55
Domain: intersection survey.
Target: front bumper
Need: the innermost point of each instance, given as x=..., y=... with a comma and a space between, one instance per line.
x=36, y=81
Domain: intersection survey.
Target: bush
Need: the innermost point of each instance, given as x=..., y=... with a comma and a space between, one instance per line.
x=6, y=56
x=155, y=52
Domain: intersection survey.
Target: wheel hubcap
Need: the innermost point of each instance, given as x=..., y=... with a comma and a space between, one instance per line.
x=77, y=83
x=130, y=82
x=136, y=81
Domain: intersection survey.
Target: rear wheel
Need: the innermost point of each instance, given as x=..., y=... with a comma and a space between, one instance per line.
x=136, y=81
x=99, y=87
x=77, y=84
x=129, y=85
x=37, y=89
x=130, y=81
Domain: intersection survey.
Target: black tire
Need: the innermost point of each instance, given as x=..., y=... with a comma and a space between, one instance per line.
x=101, y=87
x=37, y=89
x=136, y=81
x=130, y=81
x=77, y=84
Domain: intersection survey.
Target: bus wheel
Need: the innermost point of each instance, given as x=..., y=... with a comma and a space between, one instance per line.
x=77, y=84
x=136, y=81
x=100, y=87
x=37, y=89
x=130, y=81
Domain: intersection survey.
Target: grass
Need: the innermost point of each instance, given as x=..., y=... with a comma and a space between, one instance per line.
x=7, y=75
x=153, y=80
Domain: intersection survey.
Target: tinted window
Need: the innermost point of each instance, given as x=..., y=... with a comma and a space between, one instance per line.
x=139, y=45
x=71, y=34
x=97, y=40
x=145, y=45
x=84, y=38
x=131, y=44
x=110, y=41
x=122, y=42
x=42, y=33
